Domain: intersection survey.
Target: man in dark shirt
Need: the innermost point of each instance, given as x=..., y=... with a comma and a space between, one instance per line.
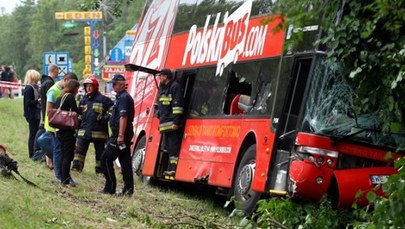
x=47, y=81
x=120, y=141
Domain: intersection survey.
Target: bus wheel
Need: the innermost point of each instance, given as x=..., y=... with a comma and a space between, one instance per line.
x=138, y=158
x=245, y=197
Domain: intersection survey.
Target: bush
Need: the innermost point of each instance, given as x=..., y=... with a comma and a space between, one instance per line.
x=286, y=213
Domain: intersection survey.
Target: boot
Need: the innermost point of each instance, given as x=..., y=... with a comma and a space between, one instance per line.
x=171, y=168
x=77, y=166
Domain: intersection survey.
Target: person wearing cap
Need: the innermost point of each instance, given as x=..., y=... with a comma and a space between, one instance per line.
x=119, y=143
x=93, y=128
x=170, y=114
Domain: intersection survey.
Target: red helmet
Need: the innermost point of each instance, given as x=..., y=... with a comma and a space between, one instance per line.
x=91, y=80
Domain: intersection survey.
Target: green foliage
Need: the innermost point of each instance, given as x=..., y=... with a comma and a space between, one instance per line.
x=25, y=38
x=113, y=8
x=282, y=213
x=368, y=38
x=388, y=212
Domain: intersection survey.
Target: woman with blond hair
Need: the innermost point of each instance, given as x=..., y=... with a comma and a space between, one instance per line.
x=32, y=106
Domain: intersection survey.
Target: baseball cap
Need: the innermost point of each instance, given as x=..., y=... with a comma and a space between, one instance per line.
x=117, y=78
x=166, y=71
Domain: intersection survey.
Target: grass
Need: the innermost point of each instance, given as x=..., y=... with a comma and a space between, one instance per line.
x=52, y=206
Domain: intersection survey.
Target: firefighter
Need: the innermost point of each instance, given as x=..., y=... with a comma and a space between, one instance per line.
x=119, y=144
x=170, y=113
x=94, y=124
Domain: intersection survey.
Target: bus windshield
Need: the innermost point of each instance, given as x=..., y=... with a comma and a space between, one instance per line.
x=329, y=110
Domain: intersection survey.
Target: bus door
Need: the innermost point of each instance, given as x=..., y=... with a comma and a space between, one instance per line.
x=186, y=80
x=289, y=123
x=145, y=120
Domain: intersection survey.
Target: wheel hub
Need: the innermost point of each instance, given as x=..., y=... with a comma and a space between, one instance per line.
x=137, y=161
x=245, y=180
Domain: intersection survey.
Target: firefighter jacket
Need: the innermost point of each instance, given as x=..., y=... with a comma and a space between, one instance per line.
x=170, y=106
x=94, y=124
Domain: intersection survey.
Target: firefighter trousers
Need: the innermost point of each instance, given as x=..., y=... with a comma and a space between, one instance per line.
x=82, y=146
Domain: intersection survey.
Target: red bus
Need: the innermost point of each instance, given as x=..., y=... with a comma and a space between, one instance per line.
x=260, y=119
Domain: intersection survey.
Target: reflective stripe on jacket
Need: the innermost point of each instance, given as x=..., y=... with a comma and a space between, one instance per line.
x=170, y=106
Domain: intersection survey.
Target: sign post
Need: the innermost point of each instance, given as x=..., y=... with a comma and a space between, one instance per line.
x=90, y=35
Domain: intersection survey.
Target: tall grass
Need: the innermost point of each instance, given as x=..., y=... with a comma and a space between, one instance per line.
x=52, y=206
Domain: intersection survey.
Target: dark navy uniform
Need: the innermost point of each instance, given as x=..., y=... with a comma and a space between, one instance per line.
x=123, y=106
x=170, y=112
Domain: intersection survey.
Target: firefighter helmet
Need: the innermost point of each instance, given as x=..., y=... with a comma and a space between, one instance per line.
x=91, y=80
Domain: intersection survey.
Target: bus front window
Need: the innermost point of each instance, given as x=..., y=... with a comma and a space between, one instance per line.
x=329, y=110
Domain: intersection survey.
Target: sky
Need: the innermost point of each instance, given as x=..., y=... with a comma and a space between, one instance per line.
x=9, y=5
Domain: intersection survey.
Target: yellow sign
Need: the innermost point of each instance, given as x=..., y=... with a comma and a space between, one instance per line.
x=87, y=50
x=87, y=31
x=59, y=15
x=87, y=59
x=84, y=15
x=87, y=69
x=87, y=40
x=130, y=32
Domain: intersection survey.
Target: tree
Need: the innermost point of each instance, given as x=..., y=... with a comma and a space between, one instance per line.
x=368, y=38
x=24, y=38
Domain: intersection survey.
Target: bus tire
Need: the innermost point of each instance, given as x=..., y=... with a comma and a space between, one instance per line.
x=245, y=198
x=138, y=159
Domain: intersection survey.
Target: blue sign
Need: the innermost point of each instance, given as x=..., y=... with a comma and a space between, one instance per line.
x=116, y=54
x=59, y=58
x=95, y=43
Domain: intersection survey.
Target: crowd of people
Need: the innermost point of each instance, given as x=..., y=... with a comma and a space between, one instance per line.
x=8, y=76
x=65, y=150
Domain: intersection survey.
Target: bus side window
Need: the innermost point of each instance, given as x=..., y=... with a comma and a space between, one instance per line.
x=238, y=87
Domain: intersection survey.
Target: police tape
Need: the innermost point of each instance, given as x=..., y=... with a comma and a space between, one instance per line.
x=13, y=85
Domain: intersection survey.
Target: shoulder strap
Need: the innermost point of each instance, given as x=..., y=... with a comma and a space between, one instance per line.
x=36, y=93
x=63, y=100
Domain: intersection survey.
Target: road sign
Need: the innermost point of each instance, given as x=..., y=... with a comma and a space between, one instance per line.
x=62, y=59
x=49, y=58
x=83, y=15
x=96, y=52
x=95, y=43
x=87, y=49
x=95, y=34
x=69, y=25
x=128, y=50
x=59, y=58
x=87, y=31
x=87, y=40
x=116, y=54
x=87, y=59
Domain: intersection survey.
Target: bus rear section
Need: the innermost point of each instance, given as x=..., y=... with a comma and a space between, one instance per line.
x=258, y=120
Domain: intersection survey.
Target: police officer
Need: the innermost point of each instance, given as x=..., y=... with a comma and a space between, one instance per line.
x=94, y=124
x=119, y=143
x=170, y=113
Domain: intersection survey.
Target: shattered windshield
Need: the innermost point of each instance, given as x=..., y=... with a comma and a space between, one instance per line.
x=329, y=111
